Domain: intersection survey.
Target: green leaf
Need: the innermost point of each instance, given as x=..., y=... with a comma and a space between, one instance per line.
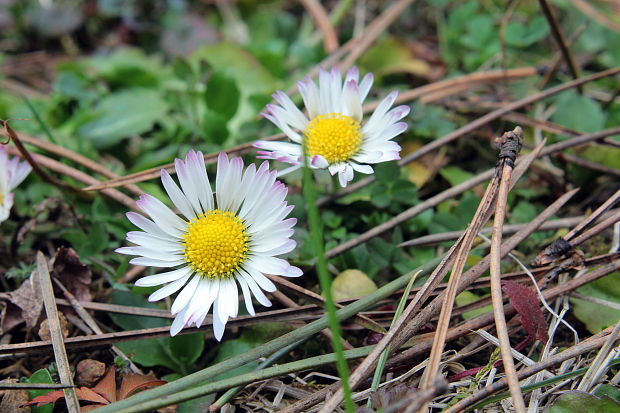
x=576, y=401
x=222, y=95
x=123, y=114
x=608, y=390
x=523, y=35
x=187, y=348
x=231, y=349
x=579, y=112
x=215, y=127
x=455, y=175
x=597, y=317
x=150, y=352
x=387, y=172
x=40, y=376
x=467, y=297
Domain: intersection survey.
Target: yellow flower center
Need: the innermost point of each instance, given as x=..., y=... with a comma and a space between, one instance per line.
x=216, y=244
x=334, y=136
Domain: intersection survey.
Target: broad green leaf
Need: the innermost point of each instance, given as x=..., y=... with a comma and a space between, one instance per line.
x=123, y=114
x=580, y=402
x=579, y=112
x=187, y=348
x=40, y=376
x=214, y=127
x=222, y=94
x=455, y=175
x=596, y=317
x=523, y=35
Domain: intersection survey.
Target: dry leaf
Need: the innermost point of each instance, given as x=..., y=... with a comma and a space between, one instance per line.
x=107, y=386
x=14, y=399
x=72, y=273
x=44, y=329
x=104, y=392
x=29, y=299
x=525, y=301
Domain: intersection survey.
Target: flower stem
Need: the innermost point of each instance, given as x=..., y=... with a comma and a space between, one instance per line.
x=316, y=235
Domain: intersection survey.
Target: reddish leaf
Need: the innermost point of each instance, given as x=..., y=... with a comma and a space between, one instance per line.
x=525, y=301
x=48, y=398
x=83, y=393
x=134, y=382
x=107, y=386
x=72, y=273
x=88, y=395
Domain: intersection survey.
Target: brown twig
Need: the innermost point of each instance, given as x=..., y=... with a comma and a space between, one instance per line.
x=584, y=163
x=557, y=59
x=598, y=212
x=156, y=171
x=511, y=147
x=63, y=169
x=60, y=352
x=23, y=152
x=559, y=38
x=588, y=9
x=77, y=158
x=508, y=230
x=321, y=19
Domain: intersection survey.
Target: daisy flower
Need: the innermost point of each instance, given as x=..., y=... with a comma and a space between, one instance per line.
x=220, y=242
x=12, y=173
x=333, y=133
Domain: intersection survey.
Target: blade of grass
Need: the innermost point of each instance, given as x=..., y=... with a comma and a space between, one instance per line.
x=39, y=120
x=316, y=235
x=376, y=379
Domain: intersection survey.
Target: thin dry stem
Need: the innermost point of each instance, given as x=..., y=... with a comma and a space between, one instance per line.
x=496, y=289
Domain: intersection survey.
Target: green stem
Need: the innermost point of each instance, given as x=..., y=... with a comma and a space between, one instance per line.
x=39, y=120
x=165, y=392
x=340, y=11
x=376, y=379
x=316, y=234
x=225, y=398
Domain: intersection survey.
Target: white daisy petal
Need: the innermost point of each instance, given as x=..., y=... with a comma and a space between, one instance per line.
x=185, y=295
x=247, y=296
x=231, y=238
x=164, y=277
x=256, y=290
x=166, y=219
x=176, y=195
x=178, y=323
x=169, y=289
x=218, y=324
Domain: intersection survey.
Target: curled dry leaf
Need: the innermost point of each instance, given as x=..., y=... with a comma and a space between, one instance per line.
x=525, y=301
x=72, y=273
x=44, y=329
